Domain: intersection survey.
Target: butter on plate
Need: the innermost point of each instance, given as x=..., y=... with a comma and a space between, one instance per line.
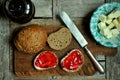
x=109, y=25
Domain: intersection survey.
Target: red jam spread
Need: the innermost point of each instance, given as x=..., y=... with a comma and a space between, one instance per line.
x=46, y=59
x=73, y=60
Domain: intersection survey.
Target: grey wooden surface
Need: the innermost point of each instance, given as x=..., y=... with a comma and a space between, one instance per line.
x=49, y=9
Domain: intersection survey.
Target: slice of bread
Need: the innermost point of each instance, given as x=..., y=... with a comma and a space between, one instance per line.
x=73, y=61
x=59, y=39
x=45, y=60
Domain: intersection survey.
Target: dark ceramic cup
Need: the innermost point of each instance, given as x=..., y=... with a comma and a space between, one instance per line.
x=19, y=11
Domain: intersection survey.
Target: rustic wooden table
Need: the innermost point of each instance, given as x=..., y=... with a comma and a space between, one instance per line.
x=46, y=11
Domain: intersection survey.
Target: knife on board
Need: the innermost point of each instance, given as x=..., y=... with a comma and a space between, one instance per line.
x=81, y=40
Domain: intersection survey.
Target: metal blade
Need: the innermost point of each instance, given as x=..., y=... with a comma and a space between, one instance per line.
x=81, y=40
x=74, y=30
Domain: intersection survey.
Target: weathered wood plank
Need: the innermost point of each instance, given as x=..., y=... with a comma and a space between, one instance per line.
x=43, y=8
x=56, y=8
x=4, y=48
x=97, y=76
x=79, y=8
x=113, y=66
x=68, y=77
x=34, y=78
x=1, y=75
x=100, y=57
x=94, y=79
x=112, y=0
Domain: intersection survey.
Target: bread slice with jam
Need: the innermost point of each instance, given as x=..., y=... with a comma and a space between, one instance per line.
x=73, y=61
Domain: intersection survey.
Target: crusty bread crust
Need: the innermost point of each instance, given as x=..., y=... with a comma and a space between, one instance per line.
x=60, y=39
x=31, y=39
x=67, y=56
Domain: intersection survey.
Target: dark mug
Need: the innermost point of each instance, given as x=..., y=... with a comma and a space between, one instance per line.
x=19, y=11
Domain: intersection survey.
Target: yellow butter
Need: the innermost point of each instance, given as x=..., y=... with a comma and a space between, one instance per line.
x=108, y=20
x=119, y=19
x=111, y=25
x=106, y=32
x=115, y=32
x=109, y=35
x=114, y=14
x=102, y=17
x=115, y=22
x=118, y=27
x=101, y=25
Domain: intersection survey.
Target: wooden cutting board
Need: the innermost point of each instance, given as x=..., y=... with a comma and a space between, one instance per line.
x=23, y=63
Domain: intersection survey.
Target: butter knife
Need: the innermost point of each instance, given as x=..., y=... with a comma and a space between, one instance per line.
x=81, y=40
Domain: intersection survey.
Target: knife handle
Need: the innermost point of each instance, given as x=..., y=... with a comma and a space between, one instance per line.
x=96, y=63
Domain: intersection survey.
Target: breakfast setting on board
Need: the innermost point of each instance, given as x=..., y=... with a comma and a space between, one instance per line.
x=61, y=50
x=31, y=41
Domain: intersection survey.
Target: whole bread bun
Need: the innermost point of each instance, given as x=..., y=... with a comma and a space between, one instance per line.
x=59, y=39
x=30, y=39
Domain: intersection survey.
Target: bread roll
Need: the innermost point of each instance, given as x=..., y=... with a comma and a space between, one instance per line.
x=30, y=39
